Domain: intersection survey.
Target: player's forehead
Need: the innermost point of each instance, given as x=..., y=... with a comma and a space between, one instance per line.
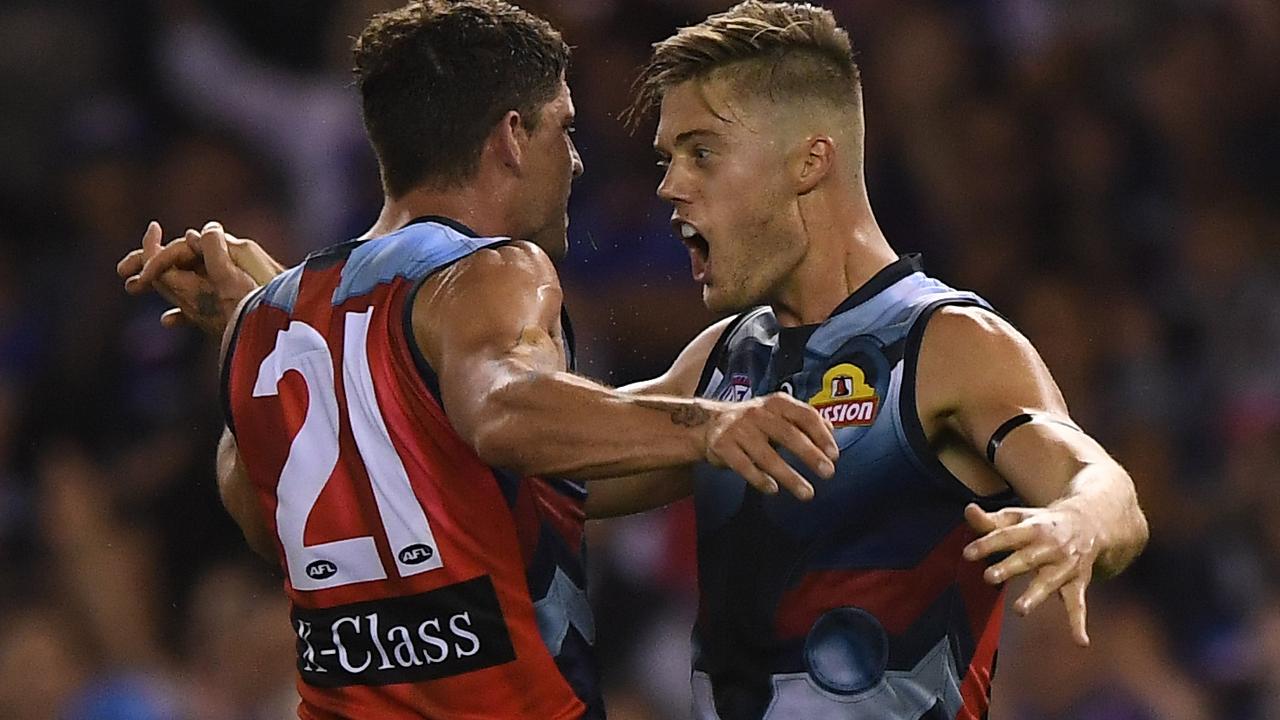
x=703, y=108
x=560, y=106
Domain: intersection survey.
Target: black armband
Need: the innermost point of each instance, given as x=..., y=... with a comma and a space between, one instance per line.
x=1016, y=422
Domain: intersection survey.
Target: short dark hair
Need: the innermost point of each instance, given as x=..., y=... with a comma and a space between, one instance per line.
x=435, y=76
x=785, y=51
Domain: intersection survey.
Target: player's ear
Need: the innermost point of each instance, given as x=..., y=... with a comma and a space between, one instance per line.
x=815, y=159
x=508, y=140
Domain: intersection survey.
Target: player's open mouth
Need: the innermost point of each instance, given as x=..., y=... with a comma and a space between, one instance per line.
x=699, y=248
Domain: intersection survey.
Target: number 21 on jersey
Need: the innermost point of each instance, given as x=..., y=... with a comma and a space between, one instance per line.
x=313, y=456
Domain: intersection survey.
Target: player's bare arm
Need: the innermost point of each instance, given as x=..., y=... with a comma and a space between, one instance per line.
x=982, y=386
x=490, y=327
x=238, y=497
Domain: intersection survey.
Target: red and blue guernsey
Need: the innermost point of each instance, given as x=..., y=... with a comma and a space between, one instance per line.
x=857, y=604
x=423, y=583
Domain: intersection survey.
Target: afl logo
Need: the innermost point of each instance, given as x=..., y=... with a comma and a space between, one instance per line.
x=737, y=389
x=417, y=553
x=321, y=570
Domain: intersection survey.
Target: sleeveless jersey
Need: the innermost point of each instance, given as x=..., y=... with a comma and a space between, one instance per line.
x=858, y=603
x=423, y=583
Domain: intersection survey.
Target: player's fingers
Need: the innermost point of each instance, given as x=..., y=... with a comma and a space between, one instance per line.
x=1005, y=538
x=1025, y=560
x=212, y=242
x=178, y=253
x=130, y=264
x=819, y=430
x=979, y=519
x=785, y=434
x=766, y=458
x=151, y=239
x=1047, y=581
x=1077, y=610
x=737, y=460
x=174, y=318
x=984, y=522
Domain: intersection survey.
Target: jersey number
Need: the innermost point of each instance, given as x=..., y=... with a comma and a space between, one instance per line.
x=313, y=456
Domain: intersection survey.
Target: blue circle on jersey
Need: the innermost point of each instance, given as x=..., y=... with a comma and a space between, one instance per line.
x=847, y=651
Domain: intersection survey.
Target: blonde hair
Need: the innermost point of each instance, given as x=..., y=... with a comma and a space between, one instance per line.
x=782, y=51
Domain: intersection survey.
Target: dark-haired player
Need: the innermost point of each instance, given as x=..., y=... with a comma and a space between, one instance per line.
x=404, y=436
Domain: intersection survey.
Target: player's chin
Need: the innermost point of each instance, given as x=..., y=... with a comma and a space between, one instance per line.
x=720, y=299
x=554, y=242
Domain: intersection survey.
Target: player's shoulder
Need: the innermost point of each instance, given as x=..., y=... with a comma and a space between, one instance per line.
x=511, y=257
x=963, y=328
x=494, y=280
x=969, y=352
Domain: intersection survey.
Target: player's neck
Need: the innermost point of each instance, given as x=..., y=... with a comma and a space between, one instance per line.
x=846, y=249
x=469, y=205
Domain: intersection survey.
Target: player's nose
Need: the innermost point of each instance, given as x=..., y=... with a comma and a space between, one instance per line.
x=671, y=189
x=578, y=167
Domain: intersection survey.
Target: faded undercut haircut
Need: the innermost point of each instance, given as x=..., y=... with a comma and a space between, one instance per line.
x=436, y=76
x=784, y=52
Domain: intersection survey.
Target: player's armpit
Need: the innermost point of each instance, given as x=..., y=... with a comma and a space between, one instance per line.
x=682, y=377
x=637, y=493
x=238, y=498
x=632, y=494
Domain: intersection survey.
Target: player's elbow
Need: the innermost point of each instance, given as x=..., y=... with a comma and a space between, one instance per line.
x=494, y=444
x=508, y=431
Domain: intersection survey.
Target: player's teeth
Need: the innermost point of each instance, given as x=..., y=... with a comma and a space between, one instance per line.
x=687, y=231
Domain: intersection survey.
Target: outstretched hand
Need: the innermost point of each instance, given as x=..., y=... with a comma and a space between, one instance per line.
x=1059, y=545
x=204, y=274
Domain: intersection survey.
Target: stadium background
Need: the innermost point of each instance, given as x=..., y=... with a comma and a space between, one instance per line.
x=1106, y=171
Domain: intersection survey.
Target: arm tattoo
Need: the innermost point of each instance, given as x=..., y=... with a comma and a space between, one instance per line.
x=684, y=415
x=206, y=304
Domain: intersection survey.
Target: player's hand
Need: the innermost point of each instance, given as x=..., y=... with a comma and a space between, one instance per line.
x=746, y=437
x=1058, y=544
x=204, y=274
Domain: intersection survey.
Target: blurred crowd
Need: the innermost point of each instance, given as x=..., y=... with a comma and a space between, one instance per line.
x=1105, y=171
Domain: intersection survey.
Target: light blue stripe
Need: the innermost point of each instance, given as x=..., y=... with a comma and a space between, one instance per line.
x=282, y=291
x=412, y=253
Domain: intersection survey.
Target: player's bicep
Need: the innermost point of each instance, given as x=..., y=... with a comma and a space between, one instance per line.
x=487, y=321
x=986, y=381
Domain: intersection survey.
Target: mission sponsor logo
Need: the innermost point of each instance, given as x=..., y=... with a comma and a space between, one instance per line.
x=449, y=631
x=845, y=398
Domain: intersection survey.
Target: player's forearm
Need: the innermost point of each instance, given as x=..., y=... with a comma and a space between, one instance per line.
x=1103, y=492
x=562, y=424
